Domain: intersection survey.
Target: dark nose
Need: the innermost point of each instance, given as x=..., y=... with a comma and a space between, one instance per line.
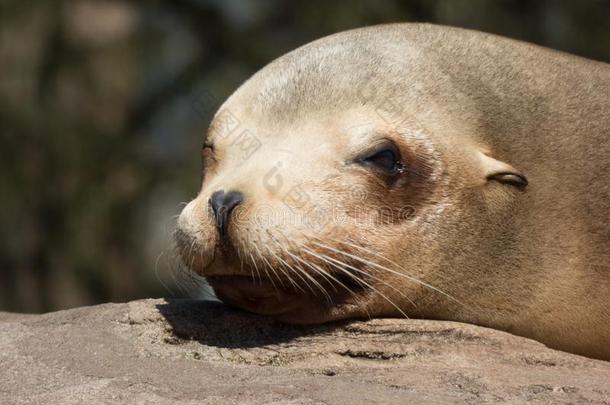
x=222, y=204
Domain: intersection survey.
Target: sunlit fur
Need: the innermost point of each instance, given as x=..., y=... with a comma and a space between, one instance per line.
x=462, y=107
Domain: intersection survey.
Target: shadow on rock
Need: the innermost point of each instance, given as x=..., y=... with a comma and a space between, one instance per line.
x=216, y=324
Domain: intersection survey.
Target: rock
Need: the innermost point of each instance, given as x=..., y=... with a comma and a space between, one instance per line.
x=193, y=352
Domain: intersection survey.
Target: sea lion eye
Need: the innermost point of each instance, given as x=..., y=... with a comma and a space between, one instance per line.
x=385, y=158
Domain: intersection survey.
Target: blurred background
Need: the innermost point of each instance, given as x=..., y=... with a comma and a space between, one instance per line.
x=103, y=106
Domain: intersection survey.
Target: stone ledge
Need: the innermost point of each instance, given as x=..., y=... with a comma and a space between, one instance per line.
x=187, y=352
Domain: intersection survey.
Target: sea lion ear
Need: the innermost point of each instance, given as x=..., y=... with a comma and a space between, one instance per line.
x=496, y=170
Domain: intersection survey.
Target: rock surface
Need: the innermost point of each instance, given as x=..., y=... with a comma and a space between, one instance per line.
x=193, y=352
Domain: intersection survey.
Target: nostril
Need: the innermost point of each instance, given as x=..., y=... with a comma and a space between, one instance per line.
x=216, y=201
x=233, y=199
x=222, y=204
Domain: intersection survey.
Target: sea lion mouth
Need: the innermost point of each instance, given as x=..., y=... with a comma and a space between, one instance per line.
x=272, y=297
x=259, y=295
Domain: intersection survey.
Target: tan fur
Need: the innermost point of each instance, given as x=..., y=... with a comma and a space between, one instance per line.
x=462, y=106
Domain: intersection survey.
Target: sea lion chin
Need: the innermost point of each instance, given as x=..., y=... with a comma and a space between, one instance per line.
x=413, y=170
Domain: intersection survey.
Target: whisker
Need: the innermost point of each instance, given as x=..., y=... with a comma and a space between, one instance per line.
x=258, y=273
x=327, y=276
x=318, y=270
x=313, y=280
x=260, y=280
x=179, y=269
x=371, y=276
x=287, y=251
x=406, y=276
x=273, y=239
x=168, y=289
x=287, y=272
x=368, y=285
x=190, y=273
x=241, y=259
x=260, y=254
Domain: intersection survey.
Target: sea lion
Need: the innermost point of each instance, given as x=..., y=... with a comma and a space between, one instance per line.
x=413, y=170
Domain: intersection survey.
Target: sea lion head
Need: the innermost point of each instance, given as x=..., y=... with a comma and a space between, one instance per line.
x=345, y=179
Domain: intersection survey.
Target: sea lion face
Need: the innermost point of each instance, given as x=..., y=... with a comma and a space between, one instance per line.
x=321, y=200
x=374, y=173
x=308, y=221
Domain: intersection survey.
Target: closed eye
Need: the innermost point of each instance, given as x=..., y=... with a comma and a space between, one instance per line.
x=207, y=154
